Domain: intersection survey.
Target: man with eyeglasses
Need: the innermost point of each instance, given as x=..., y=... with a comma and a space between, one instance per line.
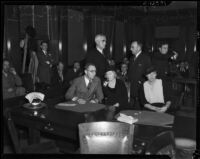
x=97, y=56
x=86, y=88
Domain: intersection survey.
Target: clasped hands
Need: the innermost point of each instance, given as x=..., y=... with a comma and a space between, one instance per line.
x=113, y=107
x=164, y=108
x=83, y=101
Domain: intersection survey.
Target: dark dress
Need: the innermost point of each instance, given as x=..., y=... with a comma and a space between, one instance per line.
x=116, y=95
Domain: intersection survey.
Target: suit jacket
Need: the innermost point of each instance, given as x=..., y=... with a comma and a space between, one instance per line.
x=80, y=90
x=136, y=72
x=100, y=61
x=10, y=81
x=44, y=69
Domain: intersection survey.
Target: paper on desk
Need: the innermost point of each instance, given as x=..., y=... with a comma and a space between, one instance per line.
x=66, y=104
x=126, y=119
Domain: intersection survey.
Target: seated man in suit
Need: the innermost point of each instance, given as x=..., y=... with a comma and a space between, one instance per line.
x=86, y=88
x=11, y=81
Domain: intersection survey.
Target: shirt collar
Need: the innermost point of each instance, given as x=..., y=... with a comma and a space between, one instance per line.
x=86, y=80
x=45, y=52
x=101, y=51
x=138, y=54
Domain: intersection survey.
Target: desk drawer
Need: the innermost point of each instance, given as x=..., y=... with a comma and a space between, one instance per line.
x=61, y=130
x=68, y=131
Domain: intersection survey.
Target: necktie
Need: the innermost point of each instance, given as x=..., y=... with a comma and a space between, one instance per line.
x=89, y=84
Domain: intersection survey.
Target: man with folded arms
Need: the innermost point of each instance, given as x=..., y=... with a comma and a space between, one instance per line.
x=86, y=88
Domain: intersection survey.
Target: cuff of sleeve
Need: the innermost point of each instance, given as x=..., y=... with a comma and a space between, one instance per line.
x=74, y=99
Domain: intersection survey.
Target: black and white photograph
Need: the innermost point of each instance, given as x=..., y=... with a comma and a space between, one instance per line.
x=113, y=78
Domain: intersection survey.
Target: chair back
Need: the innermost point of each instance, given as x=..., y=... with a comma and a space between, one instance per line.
x=162, y=144
x=106, y=138
x=13, y=133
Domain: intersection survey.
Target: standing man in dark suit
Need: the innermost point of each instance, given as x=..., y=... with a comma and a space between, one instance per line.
x=45, y=64
x=137, y=67
x=97, y=57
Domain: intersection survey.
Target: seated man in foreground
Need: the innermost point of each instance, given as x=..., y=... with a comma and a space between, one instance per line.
x=86, y=88
x=11, y=81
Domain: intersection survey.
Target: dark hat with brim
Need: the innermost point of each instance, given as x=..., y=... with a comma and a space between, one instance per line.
x=149, y=70
x=110, y=68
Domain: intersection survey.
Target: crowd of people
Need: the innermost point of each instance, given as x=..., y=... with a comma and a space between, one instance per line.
x=136, y=83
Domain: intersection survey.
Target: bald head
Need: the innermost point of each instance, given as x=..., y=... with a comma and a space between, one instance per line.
x=100, y=41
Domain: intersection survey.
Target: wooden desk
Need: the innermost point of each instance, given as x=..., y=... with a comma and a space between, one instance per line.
x=150, y=118
x=51, y=120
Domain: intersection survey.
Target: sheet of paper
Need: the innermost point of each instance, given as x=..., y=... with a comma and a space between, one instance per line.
x=67, y=104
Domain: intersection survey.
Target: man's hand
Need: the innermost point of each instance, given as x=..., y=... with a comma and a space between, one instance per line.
x=10, y=89
x=47, y=62
x=112, y=108
x=81, y=101
x=93, y=101
x=12, y=70
x=75, y=99
x=116, y=105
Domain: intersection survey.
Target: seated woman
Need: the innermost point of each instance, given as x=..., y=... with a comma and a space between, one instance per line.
x=115, y=93
x=153, y=93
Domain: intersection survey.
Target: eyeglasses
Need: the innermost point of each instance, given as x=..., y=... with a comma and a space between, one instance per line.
x=92, y=71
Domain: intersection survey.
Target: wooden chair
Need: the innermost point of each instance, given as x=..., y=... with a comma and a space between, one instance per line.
x=162, y=144
x=41, y=148
x=105, y=138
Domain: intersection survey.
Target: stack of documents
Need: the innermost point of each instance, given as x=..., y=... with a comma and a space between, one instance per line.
x=126, y=119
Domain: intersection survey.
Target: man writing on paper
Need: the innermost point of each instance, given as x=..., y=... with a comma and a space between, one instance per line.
x=86, y=88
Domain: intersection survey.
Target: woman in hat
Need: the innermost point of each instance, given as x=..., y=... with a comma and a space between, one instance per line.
x=115, y=93
x=152, y=95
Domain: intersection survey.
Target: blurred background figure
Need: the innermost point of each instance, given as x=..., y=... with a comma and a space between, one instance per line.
x=161, y=59
x=123, y=72
x=73, y=73
x=45, y=64
x=125, y=60
x=28, y=47
x=58, y=74
x=12, y=83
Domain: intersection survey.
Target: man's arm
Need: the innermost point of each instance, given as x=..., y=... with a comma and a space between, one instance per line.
x=71, y=91
x=17, y=79
x=99, y=92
